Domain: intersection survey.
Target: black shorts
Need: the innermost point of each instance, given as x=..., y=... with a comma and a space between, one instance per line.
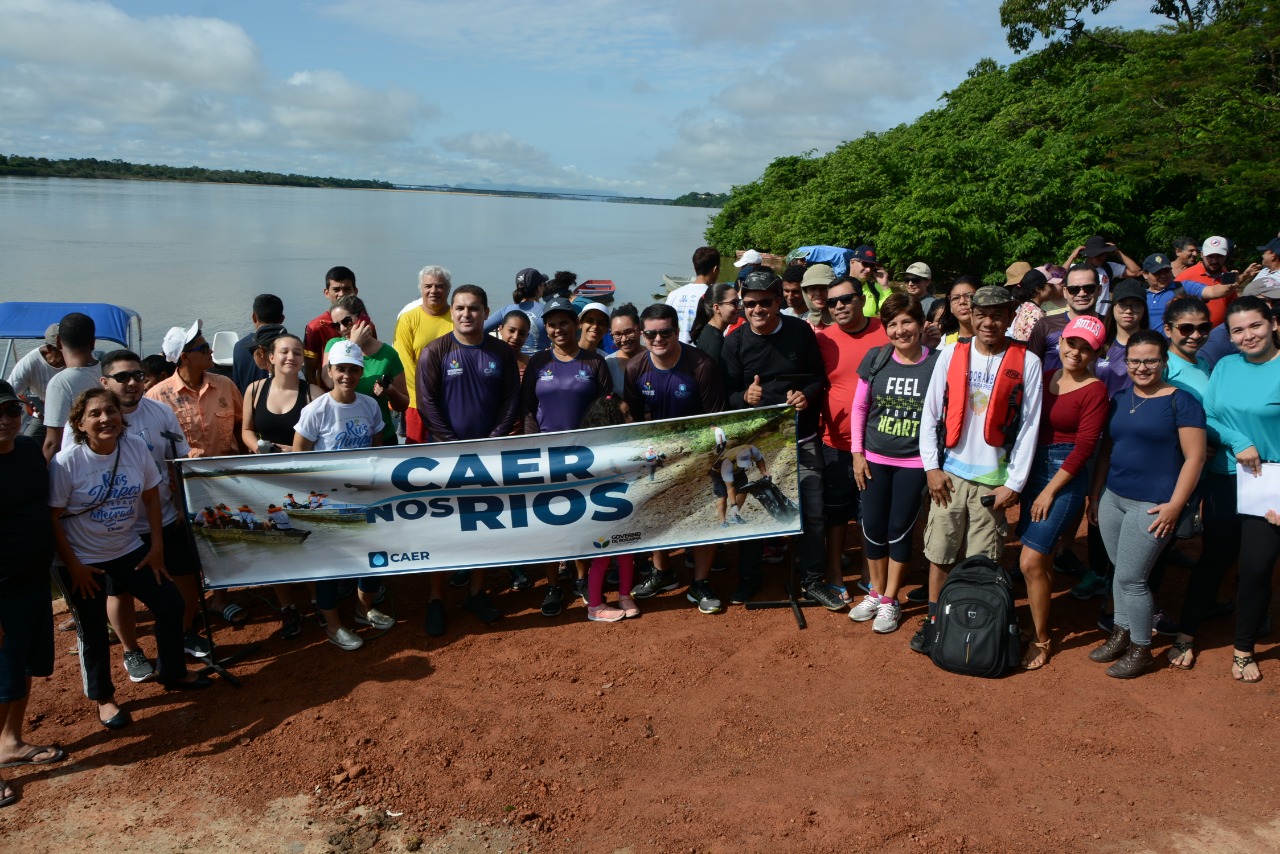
x=839, y=491
x=718, y=487
x=28, y=641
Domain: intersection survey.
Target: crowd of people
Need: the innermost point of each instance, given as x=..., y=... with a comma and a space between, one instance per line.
x=1126, y=394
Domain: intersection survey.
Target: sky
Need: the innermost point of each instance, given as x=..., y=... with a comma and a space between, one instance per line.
x=638, y=97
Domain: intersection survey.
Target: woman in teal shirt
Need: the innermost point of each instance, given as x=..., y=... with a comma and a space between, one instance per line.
x=1243, y=407
x=383, y=377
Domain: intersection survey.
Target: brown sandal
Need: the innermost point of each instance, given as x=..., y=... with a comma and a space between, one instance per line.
x=1037, y=655
x=1240, y=662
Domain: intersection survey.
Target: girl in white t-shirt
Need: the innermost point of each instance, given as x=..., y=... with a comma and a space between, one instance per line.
x=342, y=420
x=98, y=487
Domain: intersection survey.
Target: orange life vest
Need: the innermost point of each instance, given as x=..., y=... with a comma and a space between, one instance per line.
x=1001, y=425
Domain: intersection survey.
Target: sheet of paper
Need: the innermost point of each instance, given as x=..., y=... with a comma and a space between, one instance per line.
x=1256, y=495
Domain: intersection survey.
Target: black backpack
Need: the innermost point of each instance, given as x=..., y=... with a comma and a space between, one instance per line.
x=976, y=632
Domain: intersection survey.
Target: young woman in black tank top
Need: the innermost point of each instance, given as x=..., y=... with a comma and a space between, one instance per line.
x=272, y=406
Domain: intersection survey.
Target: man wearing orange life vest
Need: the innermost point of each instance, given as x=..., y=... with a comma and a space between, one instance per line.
x=977, y=441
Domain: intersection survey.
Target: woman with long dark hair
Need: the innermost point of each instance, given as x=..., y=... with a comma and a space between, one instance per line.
x=722, y=308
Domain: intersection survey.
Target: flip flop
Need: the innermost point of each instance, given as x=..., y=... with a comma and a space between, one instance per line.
x=9, y=798
x=235, y=615
x=34, y=750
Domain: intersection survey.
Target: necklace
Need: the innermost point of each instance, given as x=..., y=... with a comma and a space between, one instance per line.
x=1133, y=395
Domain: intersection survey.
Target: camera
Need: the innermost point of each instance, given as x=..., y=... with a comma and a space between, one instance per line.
x=265, y=447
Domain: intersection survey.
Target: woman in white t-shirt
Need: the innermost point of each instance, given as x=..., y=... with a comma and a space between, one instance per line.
x=342, y=420
x=97, y=489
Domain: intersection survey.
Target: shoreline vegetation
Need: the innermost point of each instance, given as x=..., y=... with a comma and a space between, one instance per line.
x=14, y=165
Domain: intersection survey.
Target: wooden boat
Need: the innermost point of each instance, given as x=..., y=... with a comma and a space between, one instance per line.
x=596, y=290
x=289, y=536
x=345, y=513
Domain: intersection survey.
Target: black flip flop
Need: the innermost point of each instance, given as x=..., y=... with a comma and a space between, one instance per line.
x=33, y=750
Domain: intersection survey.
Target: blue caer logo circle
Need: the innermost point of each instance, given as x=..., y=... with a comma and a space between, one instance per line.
x=378, y=560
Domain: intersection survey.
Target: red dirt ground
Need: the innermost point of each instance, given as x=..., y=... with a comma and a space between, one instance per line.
x=674, y=732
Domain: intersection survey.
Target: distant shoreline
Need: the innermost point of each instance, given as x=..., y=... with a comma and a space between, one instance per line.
x=15, y=166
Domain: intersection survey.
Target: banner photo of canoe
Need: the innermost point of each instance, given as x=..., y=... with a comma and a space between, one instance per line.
x=494, y=502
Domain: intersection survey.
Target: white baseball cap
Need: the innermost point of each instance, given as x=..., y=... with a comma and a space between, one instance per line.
x=920, y=269
x=1215, y=246
x=177, y=339
x=346, y=353
x=751, y=256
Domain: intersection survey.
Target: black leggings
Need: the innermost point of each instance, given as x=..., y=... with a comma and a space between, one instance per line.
x=163, y=600
x=1220, y=546
x=890, y=507
x=1257, y=565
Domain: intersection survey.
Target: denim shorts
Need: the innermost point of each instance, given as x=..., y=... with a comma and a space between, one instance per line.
x=1043, y=536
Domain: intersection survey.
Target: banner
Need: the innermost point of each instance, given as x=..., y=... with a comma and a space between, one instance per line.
x=493, y=502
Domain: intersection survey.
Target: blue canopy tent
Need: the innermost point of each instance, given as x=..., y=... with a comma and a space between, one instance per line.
x=836, y=256
x=28, y=320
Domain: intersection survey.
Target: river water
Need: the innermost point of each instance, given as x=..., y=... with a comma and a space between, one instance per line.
x=175, y=252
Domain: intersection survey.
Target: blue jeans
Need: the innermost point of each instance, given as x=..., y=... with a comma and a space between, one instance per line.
x=1043, y=536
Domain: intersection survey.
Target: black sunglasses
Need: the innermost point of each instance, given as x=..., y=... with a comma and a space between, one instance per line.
x=913, y=280
x=124, y=376
x=199, y=348
x=651, y=334
x=11, y=410
x=1186, y=329
x=347, y=321
x=1080, y=289
x=752, y=303
x=845, y=299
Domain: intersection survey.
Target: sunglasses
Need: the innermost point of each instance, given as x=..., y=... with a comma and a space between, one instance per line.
x=912, y=280
x=124, y=376
x=1186, y=330
x=1080, y=289
x=347, y=322
x=199, y=348
x=651, y=334
x=12, y=410
x=736, y=302
x=753, y=303
x=845, y=299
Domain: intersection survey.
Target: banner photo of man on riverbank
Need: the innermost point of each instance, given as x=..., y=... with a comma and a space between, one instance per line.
x=525, y=499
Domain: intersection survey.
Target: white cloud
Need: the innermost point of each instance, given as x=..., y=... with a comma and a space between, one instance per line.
x=320, y=109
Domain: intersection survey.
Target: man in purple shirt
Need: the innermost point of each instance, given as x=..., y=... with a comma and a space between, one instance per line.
x=468, y=388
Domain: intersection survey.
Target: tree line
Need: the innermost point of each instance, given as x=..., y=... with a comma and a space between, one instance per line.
x=88, y=167
x=1139, y=136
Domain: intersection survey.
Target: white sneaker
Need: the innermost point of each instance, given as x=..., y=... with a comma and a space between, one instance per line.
x=888, y=615
x=866, y=609
x=374, y=617
x=344, y=638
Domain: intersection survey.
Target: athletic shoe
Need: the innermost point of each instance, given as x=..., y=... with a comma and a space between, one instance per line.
x=519, y=580
x=1162, y=625
x=605, y=614
x=554, y=602
x=290, y=622
x=819, y=592
x=138, y=666
x=460, y=578
x=344, y=638
x=434, y=622
x=919, y=596
x=374, y=618
x=195, y=645
x=580, y=589
x=1107, y=622
x=774, y=554
x=887, y=618
x=701, y=594
x=1068, y=564
x=922, y=640
x=866, y=609
x=628, y=606
x=745, y=591
x=724, y=524
x=738, y=520
x=1091, y=585
x=655, y=583
x=480, y=605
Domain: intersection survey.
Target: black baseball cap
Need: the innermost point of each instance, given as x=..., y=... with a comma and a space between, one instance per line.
x=761, y=280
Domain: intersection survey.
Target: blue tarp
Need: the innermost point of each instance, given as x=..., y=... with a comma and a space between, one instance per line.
x=836, y=256
x=31, y=319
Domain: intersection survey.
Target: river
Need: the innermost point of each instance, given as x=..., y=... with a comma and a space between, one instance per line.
x=175, y=252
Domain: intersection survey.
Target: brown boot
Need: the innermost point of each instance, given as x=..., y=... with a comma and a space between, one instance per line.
x=1136, y=661
x=1113, y=648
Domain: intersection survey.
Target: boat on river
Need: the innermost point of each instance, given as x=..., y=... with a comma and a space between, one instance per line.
x=326, y=513
x=286, y=536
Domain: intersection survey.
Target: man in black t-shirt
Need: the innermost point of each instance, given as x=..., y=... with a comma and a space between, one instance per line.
x=772, y=359
x=26, y=611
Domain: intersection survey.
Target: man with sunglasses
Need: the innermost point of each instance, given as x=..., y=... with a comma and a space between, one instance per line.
x=154, y=425
x=672, y=380
x=917, y=281
x=208, y=406
x=1081, y=290
x=843, y=346
x=768, y=360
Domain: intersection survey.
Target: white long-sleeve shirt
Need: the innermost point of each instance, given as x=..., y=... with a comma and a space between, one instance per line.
x=972, y=458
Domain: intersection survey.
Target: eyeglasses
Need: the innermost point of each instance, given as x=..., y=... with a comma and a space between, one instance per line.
x=626, y=333
x=961, y=297
x=12, y=410
x=913, y=280
x=664, y=334
x=1080, y=289
x=199, y=348
x=753, y=303
x=845, y=299
x=1132, y=308
x=347, y=322
x=1186, y=330
x=1143, y=363
x=124, y=376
